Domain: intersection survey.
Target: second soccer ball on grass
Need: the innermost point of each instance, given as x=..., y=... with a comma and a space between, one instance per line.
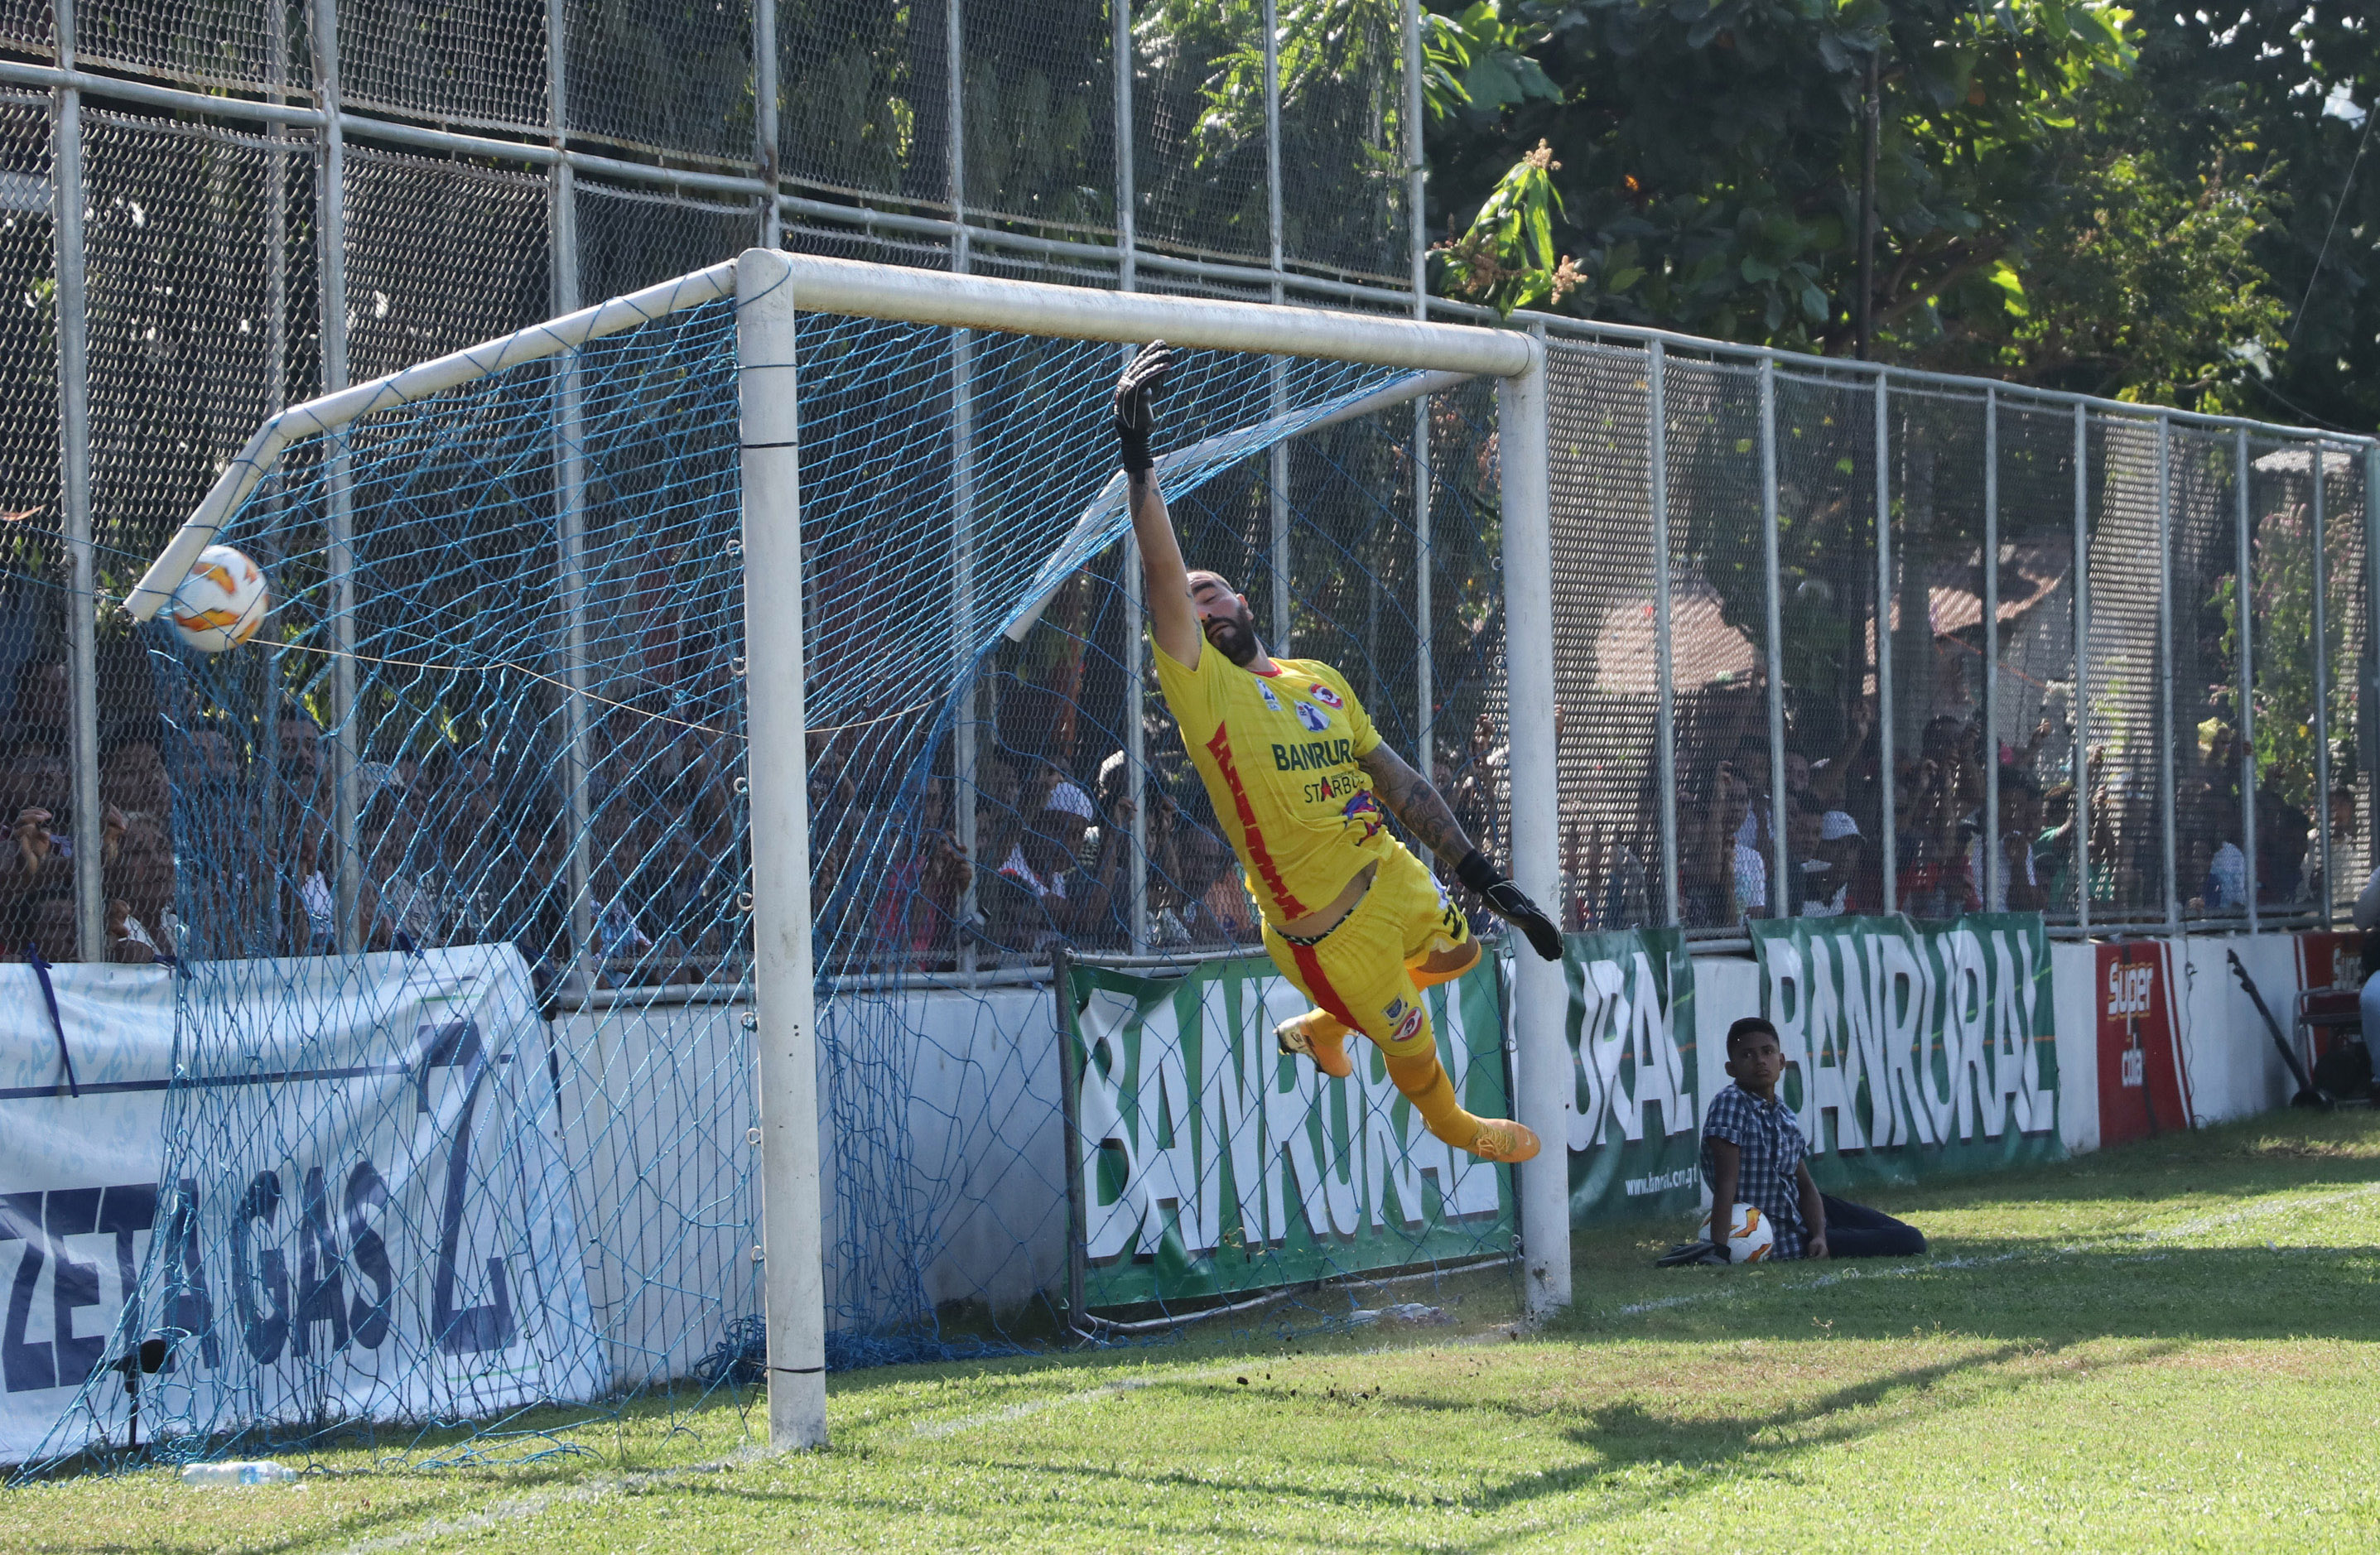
x=1750, y=1237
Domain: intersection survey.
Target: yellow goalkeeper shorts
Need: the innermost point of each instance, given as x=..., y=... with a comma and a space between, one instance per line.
x=1361, y=971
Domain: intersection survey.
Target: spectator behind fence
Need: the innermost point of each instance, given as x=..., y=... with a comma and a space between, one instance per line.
x=917, y=907
x=1211, y=907
x=2017, y=888
x=2367, y=919
x=1040, y=895
x=1727, y=881
x=1937, y=826
x=1604, y=885
x=137, y=851
x=1754, y=1153
x=36, y=872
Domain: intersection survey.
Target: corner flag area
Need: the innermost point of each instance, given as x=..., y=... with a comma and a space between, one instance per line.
x=2167, y=1344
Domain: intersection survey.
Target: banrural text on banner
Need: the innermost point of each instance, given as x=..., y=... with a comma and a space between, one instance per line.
x=1207, y=1163
x=1914, y=1049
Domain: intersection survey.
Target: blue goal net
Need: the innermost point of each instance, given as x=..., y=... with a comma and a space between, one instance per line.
x=458, y=1136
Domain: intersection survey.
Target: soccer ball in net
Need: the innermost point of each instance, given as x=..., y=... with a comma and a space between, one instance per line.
x=219, y=605
x=1749, y=1240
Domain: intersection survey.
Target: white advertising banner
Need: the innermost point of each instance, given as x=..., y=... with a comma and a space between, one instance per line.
x=352, y=1205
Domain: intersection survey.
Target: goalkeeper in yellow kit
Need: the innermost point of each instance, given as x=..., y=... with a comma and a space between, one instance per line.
x=1299, y=779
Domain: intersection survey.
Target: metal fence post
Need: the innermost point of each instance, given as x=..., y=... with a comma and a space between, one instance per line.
x=2243, y=624
x=1417, y=235
x=2370, y=632
x=2322, y=697
x=1995, y=888
x=1664, y=689
x=2165, y=725
x=1777, y=906
x=331, y=237
x=764, y=119
x=570, y=503
x=1135, y=737
x=74, y=494
x=267, y=757
x=964, y=750
x=2081, y=575
x=1276, y=459
x=1888, y=807
x=1128, y=199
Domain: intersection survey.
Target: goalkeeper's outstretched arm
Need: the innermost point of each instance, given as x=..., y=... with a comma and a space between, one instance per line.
x=1172, y=619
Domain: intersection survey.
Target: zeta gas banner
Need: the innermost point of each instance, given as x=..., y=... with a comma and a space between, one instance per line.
x=1634, y=1136
x=1914, y=1049
x=1204, y=1163
x=352, y=1205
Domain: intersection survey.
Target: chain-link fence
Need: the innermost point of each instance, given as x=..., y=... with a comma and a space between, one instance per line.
x=1905, y=729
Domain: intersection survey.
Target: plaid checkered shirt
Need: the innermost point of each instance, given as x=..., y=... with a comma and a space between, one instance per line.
x=1772, y=1148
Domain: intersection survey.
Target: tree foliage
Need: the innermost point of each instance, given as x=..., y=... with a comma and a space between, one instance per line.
x=2034, y=220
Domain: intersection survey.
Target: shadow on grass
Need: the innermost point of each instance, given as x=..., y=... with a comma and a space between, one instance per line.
x=1685, y=1456
x=2038, y=1293
x=1635, y=1457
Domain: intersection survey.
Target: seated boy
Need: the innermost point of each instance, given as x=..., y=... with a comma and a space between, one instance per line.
x=1754, y=1153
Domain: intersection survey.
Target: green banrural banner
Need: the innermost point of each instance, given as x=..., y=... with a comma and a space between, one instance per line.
x=1916, y=1049
x=1203, y=1163
x=1636, y=1131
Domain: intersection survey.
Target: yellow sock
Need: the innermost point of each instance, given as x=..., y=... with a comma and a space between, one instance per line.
x=1423, y=1081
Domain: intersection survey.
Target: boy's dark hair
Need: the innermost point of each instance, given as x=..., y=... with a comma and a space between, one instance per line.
x=1749, y=1026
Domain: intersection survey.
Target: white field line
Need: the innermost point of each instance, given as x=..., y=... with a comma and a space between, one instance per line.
x=518, y=1507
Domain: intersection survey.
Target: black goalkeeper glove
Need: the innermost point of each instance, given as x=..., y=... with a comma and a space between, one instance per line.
x=1507, y=902
x=1136, y=403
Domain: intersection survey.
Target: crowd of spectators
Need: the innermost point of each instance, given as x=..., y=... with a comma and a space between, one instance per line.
x=1831, y=809
x=468, y=842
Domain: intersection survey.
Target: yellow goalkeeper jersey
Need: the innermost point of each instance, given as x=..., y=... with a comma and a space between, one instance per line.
x=1277, y=753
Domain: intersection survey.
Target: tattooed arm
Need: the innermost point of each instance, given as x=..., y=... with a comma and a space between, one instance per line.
x=1409, y=797
x=1412, y=801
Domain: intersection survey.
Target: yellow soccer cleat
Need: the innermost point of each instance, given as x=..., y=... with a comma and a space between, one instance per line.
x=1329, y=1053
x=1504, y=1141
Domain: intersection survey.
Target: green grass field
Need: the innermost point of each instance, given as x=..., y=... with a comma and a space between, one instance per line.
x=2174, y=1345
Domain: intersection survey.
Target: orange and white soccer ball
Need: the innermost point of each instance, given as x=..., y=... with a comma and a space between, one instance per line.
x=220, y=604
x=1750, y=1239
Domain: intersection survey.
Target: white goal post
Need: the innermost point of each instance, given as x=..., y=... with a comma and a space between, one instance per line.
x=771, y=287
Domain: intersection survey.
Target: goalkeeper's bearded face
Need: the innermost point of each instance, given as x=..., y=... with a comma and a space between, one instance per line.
x=1225, y=618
